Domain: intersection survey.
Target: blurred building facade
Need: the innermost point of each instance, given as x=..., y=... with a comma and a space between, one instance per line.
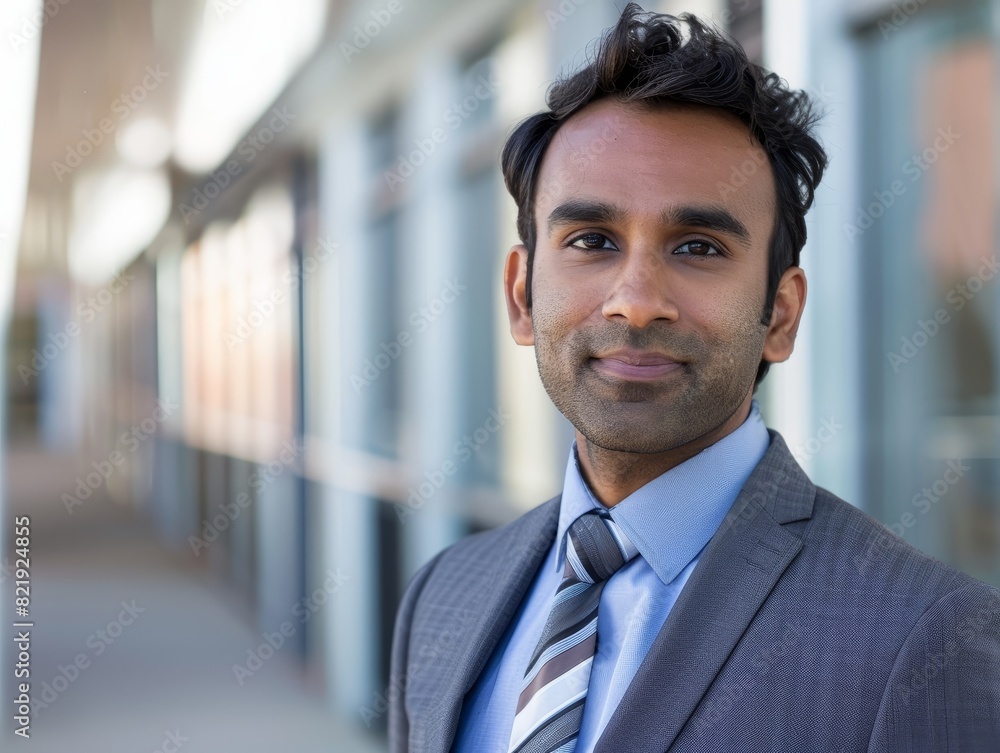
x=311, y=356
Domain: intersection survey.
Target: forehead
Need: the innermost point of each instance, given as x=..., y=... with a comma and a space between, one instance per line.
x=650, y=159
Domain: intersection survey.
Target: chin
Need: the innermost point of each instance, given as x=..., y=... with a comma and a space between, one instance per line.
x=635, y=446
x=623, y=436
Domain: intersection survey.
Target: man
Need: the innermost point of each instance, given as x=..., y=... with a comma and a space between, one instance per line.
x=690, y=589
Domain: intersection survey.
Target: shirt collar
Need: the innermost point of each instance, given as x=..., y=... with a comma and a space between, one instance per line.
x=671, y=518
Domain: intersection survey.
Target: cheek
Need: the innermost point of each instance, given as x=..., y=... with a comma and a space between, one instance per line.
x=726, y=321
x=560, y=305
x=550, y=320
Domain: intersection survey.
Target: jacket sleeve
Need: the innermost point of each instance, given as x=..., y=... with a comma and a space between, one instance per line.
x=943, y=694
x=399, y=725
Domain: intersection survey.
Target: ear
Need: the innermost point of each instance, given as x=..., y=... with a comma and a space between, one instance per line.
x=515, y=277
x=789, y=302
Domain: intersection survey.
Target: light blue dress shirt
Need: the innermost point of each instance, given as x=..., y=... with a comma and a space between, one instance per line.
x=670, y=520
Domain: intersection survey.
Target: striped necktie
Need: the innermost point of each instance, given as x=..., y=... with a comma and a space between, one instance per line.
x=550, y=707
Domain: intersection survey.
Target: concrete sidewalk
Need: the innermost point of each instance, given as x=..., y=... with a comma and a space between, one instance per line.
x=137, y=648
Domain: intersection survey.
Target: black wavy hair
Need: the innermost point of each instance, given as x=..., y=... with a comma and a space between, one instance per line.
x=647, y=59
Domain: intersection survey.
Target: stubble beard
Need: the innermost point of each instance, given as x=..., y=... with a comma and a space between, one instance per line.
x=649, y=417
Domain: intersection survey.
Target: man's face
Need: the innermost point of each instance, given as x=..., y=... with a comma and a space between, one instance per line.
x=649, y=274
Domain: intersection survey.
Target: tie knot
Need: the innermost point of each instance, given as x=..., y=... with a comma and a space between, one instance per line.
x=597, y=548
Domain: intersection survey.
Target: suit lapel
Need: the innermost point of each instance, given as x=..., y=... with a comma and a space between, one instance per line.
x=488, y=599
x=736, y=572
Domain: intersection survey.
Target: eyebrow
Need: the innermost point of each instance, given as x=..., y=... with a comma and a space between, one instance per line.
x=708, y=218
x=579, y=211
x=583, y=211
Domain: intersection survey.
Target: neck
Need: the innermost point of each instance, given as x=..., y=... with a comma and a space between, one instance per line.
x=612, y=476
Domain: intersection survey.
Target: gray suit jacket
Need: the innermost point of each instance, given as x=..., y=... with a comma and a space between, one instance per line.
x=805, y=626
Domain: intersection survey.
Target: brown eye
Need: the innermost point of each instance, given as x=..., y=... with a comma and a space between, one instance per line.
x=591, y=242
x=698, y=248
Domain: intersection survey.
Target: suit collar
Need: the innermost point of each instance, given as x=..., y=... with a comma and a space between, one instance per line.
x=738, y=569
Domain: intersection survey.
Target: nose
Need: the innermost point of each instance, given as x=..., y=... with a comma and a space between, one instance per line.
x=641, y=292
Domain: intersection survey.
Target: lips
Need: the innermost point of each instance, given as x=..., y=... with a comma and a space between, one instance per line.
x=636, y=365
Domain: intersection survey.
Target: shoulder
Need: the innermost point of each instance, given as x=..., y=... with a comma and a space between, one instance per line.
x=869, y=554
x=924, y=632
x=940, y=626
x=844, y=550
